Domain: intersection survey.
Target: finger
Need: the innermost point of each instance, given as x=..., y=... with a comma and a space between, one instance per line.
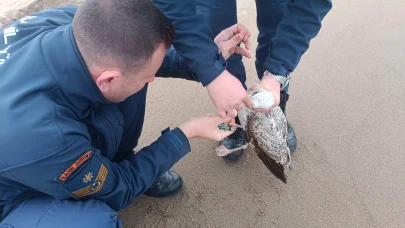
x=232, y=113
x=242, y=52
x=261, y=109
x=246, y=41
x=222, y=114
x=232, y=122
x=209, y=115
x=248, y=102
x=253, y=88
x=276, y=102
x=239, y=107
x=242, y=29
x=238, y=28
x=230, y=44
x=236, y=39
x=227, y=33
x=223, y=134
x=226, y=119
x=265, y=109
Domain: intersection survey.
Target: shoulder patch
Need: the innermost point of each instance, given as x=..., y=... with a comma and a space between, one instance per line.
x=91, y=180
x=96, y=186
x=75, y=165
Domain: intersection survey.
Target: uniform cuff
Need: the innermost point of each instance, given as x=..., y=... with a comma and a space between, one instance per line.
x=275, y=67
x=210, y=67
x=179, y=140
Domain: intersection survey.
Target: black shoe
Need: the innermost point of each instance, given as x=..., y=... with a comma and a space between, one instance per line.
x=237, y=139
x=291, y=139
x=169, y=184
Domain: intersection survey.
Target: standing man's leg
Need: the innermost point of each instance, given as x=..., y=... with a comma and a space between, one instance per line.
x=269, y=15
x=47, y=212
x=221, y=15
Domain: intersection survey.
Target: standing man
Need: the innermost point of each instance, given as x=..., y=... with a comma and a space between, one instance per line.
x=286, y=28
x=73, y=92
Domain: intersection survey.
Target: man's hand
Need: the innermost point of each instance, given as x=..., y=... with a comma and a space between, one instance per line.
x=228, y=95
x=226, y=91
x=228, y=39
x=206, y=127
x=271, y=84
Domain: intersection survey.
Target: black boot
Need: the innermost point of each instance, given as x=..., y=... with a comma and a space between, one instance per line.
x=292, y=139
x=169, y=184
x=237, y=139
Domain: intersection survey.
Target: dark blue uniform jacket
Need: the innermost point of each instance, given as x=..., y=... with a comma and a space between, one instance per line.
x=58, y=134
x=194, y=39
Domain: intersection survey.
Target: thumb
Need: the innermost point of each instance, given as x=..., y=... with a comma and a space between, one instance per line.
x=253, y=88
x=232, y=122
x=220, y=120
x=222, y=114
x=248, y=102
x=224, y=134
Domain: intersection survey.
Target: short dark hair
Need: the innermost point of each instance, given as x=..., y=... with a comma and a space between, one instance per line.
x=120, y=32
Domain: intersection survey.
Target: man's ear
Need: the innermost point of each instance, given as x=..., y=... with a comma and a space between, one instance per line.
x=104, y=81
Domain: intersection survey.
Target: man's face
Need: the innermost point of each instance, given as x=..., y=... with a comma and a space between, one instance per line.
x=117, y=87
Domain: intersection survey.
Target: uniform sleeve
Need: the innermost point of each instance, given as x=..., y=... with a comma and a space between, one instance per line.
x=301, y=22
x=17, y=34
x=57, y=16
x=193, y=39
x=36, y=23
x=174, y=66
x=70, y=174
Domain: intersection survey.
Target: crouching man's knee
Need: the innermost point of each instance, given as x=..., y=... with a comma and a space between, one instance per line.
x=47, y=212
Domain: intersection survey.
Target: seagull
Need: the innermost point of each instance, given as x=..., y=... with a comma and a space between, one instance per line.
x=266, y=133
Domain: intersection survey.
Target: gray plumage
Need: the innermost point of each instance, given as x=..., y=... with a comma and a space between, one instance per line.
x=266, y=133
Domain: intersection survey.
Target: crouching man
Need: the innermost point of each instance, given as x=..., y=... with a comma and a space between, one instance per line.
x=73, y=91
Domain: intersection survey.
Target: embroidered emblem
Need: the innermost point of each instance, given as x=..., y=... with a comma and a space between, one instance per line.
x=87, y=177
x=96, y=186
x=75, y=165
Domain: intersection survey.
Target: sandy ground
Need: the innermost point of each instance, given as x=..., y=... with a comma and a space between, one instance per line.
x=347, y=107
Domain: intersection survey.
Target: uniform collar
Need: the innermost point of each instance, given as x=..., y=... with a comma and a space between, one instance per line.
x=69, y=71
